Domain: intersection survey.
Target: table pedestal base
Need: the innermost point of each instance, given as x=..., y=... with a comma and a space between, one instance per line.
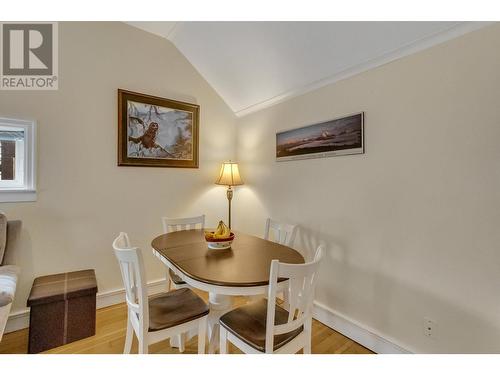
x=219, y=305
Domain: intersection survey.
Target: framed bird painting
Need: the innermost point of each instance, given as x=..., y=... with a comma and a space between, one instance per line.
x=157, y=132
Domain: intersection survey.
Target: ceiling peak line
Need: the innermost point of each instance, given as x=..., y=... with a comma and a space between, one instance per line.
x=174, y=30
x=294, y=57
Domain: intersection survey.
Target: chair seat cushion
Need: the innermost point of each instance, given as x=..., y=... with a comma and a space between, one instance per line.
x=8, y=282
x=175, y=279
x=175, y=307
x=248, y=323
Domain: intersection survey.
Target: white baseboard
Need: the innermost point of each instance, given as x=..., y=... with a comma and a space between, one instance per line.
x=21, y=319
x=365, y=336
x=18, y=320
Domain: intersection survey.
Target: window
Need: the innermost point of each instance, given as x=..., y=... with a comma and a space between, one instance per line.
x=17, y=160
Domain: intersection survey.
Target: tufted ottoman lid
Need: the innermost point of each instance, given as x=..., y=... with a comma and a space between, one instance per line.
x=62, y=286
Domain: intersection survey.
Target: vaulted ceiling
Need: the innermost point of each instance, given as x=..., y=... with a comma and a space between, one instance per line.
x=253, y=65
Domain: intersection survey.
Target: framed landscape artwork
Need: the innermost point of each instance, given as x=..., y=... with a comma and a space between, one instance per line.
x=341, y=136
x=156, y=132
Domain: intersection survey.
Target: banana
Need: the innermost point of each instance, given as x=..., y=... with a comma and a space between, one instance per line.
x=223, y=231
x=227, y=232
x=220, y=229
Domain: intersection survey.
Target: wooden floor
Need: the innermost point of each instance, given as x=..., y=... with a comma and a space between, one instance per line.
x=110, y=338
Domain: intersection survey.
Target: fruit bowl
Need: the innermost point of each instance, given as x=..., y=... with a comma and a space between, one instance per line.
x=220, y=238
x=219, y=243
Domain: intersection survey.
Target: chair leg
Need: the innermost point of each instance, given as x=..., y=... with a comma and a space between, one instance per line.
x=128, y=338
x=202, y=333
x=182, y=342
x=307, y=346
x=307, y=331
x=223, y=340
x=143, y=345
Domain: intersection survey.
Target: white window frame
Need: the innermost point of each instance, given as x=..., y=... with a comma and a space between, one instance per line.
x=26, y=193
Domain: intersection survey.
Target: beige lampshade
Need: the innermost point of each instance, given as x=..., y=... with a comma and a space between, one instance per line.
x=229, y=175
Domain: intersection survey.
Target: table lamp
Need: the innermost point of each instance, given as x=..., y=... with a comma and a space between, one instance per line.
x=230, y=176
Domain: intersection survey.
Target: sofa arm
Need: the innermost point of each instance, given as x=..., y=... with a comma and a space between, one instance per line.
x=8, y=283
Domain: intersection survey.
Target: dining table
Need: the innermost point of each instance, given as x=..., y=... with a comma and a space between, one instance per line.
x=241, y=270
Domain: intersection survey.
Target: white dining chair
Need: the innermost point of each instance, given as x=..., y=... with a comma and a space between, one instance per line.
x=264, y=326
x=161, y=316
x=281, y=233
x=284, y=234
x=173, y=225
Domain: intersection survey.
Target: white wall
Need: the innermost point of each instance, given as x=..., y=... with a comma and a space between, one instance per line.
x=411, y=226
x=84, y=199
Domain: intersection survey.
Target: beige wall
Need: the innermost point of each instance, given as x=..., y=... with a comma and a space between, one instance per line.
x=411, y=226
x=84, y=199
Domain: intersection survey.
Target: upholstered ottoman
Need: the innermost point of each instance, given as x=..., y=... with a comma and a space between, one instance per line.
x=63, y=309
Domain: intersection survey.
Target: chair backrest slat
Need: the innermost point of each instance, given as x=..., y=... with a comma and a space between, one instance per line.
x=134, y=278
x=300, y=286
x=187, y=223
x=282, y=233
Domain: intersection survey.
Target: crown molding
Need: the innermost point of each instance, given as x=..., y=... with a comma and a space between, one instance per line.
x=417, y=46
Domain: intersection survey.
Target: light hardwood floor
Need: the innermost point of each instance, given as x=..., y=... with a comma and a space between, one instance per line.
x=110, y=338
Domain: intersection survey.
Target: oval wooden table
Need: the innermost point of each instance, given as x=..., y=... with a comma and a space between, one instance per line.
x=242, y=270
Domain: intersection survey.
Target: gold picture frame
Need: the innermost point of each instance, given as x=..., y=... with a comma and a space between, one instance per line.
x=157, y=132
